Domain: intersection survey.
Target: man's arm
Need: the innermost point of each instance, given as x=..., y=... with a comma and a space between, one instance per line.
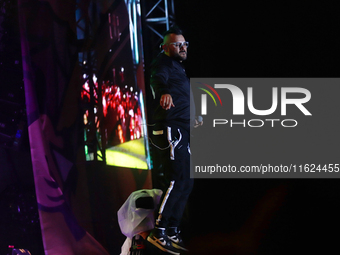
x=159, y=85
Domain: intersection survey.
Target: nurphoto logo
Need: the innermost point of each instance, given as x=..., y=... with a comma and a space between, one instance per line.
x=296, y=96
x=265, y=127
x=204, y=98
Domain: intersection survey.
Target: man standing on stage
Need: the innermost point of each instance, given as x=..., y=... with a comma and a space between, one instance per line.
x=171, y=137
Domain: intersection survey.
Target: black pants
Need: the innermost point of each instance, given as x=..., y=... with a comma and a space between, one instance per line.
x=172, y=146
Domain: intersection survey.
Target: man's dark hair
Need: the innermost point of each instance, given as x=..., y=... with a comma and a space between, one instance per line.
x=173, y=30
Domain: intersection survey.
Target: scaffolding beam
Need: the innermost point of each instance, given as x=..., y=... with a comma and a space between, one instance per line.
x=160, y=16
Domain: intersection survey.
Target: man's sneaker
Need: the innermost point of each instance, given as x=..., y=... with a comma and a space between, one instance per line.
x=159, y=238
x=176, y=239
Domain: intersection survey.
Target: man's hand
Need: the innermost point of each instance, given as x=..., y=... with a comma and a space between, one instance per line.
x=166, y=102
x=198, y=121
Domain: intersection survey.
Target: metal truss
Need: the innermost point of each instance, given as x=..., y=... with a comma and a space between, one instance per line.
x=160, y=15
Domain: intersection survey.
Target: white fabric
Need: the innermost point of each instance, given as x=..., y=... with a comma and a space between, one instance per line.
x=125, y=250
x=134, y=220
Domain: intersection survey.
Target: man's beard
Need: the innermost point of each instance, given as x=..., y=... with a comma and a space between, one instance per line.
x=180, y=57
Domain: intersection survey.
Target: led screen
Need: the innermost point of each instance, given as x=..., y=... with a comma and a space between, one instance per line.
x=115, y=90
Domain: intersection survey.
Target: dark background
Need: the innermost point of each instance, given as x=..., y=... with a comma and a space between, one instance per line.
x=261, y=39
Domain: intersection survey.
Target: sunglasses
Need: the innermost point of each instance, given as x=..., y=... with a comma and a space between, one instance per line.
x=180, y=44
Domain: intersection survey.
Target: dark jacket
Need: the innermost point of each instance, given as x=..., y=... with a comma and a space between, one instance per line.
x=168, y=77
